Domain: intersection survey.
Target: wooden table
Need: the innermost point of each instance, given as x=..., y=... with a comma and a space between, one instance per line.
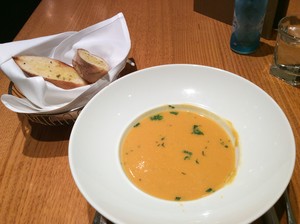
x=36, y=185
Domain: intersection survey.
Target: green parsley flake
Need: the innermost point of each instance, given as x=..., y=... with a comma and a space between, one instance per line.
x=188, y=154
x=223, y=143
x=209, y=190
x=137, y=124
x=161, y=142
x=156, y=117
x=174, y=112
x=196, y=130
x=177, y=198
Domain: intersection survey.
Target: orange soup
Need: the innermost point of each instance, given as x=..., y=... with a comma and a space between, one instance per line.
x=179, y=154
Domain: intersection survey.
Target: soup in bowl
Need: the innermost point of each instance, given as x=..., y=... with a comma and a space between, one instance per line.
x=179, y=152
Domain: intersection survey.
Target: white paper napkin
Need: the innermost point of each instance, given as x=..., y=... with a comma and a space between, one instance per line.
x=108, y=39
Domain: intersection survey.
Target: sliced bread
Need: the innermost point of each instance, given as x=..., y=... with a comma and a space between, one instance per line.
x=54, y=71
x=90, y=67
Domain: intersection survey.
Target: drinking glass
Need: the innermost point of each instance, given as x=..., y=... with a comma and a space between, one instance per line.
x=286, y=62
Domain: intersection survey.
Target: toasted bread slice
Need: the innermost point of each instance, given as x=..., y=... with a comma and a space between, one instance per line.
x=90, y=67
x=54, y=71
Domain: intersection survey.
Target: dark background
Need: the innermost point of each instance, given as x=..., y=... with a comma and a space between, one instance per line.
x=14, y=14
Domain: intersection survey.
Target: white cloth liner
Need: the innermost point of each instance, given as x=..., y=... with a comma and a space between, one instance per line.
x=108, y=39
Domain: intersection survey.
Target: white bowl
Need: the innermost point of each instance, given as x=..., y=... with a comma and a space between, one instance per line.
x=267, y=154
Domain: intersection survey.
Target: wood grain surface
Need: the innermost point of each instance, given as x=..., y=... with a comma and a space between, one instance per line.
x=36, y=185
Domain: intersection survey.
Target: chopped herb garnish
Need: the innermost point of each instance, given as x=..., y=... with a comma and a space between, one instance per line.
x=223, y=143
x=161, y=145
x=171, y=106
x=196, y=130
x=177, y=198
x=174, y=112
x=209, y=190
x=197, y=161
x=156, y=117
x=161, y=142
x=188, y=154
x=137, y=124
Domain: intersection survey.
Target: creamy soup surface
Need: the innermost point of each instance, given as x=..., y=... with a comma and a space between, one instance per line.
x=175, y=153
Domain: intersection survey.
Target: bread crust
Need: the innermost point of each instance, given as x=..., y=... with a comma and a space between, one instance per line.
x=90, y=67
x=52, y=70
